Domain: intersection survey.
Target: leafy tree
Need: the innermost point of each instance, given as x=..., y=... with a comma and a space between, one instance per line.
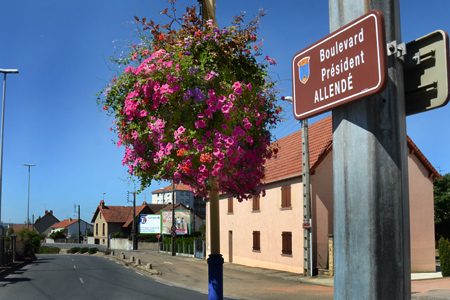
x=57, y=235
x=28, y=243
x=444, y=256
x=442, y=206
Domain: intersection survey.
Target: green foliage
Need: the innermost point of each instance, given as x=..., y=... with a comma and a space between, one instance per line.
x=188, y=243
x=84, y=250
x=90, y=233
x=28, y=243
x=148, y=238
x=117, y=235
x=444, y=256
x=92, y=250
x=74, y=250
x=442, y=206
x=57, y=235
x=48, y=250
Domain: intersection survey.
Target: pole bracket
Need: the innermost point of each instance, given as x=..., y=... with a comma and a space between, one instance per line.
x=399, y=50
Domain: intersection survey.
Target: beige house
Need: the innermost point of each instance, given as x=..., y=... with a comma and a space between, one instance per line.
x=268, y=233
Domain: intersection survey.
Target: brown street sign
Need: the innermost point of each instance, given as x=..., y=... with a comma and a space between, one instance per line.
x=347, y=65
x=426, y=73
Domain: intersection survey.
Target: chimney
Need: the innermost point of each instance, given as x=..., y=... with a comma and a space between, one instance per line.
x=70, y=219
x=51, y=212
x=46, y=211
x=102, y=204
x=144, y=203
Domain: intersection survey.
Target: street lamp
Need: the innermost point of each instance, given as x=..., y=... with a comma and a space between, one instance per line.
x=28, y=207
x=4, y=71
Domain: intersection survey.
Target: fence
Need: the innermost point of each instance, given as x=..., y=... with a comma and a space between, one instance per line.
x=194, y=250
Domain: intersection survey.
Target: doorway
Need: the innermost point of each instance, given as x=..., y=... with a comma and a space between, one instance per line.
x=230, y=246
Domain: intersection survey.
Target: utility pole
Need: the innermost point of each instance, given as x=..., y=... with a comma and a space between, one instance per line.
x=79, y=225
x=370, y=177
x=307, y=230
x=134, y=223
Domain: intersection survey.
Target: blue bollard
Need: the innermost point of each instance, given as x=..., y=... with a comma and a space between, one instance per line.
x=215, y=276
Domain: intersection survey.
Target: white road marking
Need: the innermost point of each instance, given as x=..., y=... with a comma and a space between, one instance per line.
x=140, y=274
x=165, y=283
x=81, y=280
x=74, y=267
x=167, y=262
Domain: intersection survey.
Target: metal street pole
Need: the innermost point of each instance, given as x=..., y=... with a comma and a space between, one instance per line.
x=4, y=71
x=370, y=177
x=79, y=224
x=134, y=222
x=28, y=206
x=307, y=248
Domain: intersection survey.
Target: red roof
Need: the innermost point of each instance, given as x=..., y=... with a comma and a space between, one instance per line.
x=288, y=162
x=64, y=223
x=178, y=187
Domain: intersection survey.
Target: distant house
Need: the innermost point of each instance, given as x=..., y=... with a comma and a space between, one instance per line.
x=70, y=227
x=182, y=195
x=115, y=219
x=43, y=224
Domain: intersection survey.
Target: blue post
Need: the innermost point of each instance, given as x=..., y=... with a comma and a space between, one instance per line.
x=215, y=276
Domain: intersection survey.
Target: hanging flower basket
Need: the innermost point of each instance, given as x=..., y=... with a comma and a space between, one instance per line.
x=194, y=104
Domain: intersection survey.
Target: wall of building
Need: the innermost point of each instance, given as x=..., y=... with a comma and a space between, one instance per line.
x=422, y=217
x=236, y=231
x=322, y=211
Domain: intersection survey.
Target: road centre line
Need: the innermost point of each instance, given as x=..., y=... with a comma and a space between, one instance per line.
x=81, y=280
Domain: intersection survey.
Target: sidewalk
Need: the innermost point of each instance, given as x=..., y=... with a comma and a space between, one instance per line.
x=192, y=272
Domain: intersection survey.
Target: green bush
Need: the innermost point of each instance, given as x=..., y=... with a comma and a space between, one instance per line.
x=84, y=250
x=117, y=235
x=92, y=250
x=48, y=250
x=444, y=256
x=74, y=250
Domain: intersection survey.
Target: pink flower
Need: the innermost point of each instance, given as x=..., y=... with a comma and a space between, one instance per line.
x=181, y=130
x=224, y=126
x=200, y=148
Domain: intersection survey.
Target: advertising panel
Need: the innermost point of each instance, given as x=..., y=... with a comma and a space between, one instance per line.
x=182, y=221
x=150, y=224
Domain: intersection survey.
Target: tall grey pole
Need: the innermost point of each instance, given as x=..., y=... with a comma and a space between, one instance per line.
x=370, y=178
x=134, y=221
x=79, y=224
x=307, y=241
x=4, y=71
x=28, y=202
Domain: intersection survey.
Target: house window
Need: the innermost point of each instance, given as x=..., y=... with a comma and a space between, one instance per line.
x=286, y=247
x=96, y=229
x=285, y=196
x=255, y=203
x=103, y=229
x=256, y=240
x=230, y=204
x=100, y=215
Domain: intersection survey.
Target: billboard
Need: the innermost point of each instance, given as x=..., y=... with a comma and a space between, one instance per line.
x=182, y=221
x=150, y=224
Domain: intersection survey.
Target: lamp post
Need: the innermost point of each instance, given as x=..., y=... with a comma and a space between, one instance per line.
x=28, y=206
x=4, y=71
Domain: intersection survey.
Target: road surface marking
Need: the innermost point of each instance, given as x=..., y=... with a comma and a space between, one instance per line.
x=140, y=274
x=81, y=280
x=74, y=267
x=165, y=283
x=167, y=262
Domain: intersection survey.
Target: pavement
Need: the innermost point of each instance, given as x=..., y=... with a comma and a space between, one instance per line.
x=243, y=282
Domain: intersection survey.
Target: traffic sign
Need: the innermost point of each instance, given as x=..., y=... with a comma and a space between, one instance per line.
x=133, y=232
x=426, y=73
x=346, y=65
x=174, y=234
x=158, y=236
x=173, y=228
x=306, y=225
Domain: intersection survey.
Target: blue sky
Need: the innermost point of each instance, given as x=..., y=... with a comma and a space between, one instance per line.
x=62, y=48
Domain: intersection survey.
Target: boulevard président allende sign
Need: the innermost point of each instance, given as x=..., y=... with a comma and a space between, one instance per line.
x=347, y=65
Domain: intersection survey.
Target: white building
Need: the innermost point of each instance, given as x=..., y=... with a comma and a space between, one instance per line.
x=70, y=227
x=181, y=192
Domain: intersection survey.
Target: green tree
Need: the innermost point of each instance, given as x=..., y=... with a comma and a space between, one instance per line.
x=444, y=256
x=28, y=243
x=57, y=235
x=442, y=206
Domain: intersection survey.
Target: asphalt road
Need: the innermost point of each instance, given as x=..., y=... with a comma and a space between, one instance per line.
x=62, y=277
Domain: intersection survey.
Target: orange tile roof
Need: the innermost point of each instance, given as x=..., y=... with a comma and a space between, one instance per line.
x=178, y=187
x=139, y=209
x=64, y=223
x=288, y=162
